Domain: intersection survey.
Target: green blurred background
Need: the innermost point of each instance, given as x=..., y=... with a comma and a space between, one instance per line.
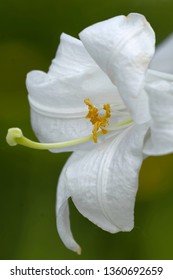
x=29, y=36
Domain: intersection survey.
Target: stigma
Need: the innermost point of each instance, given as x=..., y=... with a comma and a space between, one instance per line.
x=98, y=121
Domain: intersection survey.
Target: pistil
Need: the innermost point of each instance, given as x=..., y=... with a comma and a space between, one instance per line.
x=15, y=136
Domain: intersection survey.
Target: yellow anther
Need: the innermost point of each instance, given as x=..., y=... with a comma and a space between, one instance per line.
x=99, y=122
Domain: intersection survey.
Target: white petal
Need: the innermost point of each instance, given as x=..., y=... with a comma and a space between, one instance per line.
x=160, y=139
x=62, y=213
x=103, y=181
x=53, y=130
x=163, y=58
x=57, y=98
x=72, y=77
x=123, y=47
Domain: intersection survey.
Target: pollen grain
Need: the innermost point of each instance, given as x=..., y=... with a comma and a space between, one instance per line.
x=98, y=122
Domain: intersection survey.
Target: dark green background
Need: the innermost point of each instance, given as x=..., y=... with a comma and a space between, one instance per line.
x=29, y=35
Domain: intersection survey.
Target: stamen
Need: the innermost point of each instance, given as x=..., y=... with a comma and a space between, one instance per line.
x=99, y=122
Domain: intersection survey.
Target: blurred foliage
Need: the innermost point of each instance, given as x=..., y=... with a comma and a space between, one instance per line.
x=29, y=37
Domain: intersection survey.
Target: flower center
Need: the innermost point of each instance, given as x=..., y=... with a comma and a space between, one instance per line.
x=99, y=122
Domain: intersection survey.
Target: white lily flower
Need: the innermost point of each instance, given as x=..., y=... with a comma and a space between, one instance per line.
x=109, y=65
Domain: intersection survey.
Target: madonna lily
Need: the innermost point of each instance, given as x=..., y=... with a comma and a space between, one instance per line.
x=100, y=100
